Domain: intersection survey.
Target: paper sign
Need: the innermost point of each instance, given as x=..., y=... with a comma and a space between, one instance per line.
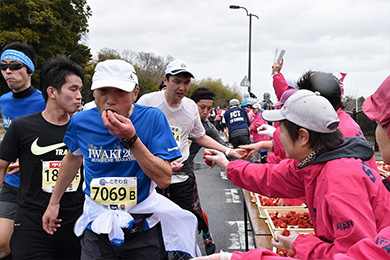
x=279, y=53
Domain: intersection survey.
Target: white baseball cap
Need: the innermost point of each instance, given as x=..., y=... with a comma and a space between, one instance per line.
x=115, y=73
x=306, y=109
x=178, y=66
x=258, y=105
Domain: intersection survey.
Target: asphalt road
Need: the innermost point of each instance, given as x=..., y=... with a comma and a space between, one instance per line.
x=223, y=203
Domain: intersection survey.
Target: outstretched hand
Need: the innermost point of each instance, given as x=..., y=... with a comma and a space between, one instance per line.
x=217, y=158
x=251, y=149
x=266, y=129
x=238, y=153
x=285, y=242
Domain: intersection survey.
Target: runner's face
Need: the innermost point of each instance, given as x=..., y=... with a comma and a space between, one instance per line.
x=383, y=142
x=69, y=99
x=205, y=106
x=115, y=99
x=177, y=86
x=17, y=80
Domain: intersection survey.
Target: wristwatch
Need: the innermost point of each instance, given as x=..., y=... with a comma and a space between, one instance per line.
x=128, y=143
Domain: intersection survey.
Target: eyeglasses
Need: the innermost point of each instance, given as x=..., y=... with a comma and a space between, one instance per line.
x=12, y=66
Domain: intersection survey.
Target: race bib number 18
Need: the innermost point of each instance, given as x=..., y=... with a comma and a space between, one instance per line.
x=115, y=192
x=50, y=171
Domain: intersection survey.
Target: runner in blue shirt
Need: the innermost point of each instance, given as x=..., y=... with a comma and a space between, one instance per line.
x=126, y=149
x=18, y=62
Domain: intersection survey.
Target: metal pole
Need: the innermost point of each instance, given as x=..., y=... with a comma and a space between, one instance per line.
x=250, y=41
x=249, y=59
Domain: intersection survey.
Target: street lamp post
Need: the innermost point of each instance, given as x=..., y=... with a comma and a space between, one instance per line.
x=250, y=40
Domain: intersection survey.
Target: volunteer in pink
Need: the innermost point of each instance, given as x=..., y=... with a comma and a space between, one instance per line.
x=345, y=196
x=376, y=107
x=329, y=87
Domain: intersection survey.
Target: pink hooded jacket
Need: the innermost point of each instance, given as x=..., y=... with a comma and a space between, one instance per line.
x=258, y=121
x=280, y=85
x=345, y=196
x=365, y=249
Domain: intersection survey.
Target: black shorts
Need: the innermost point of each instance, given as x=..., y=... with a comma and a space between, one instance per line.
x=240, y=140
x=8, y=193
x=37, y=244
x=185, y=194
x=8, y=205
x=148, y=244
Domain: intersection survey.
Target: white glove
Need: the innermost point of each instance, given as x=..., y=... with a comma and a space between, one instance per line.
x=285, y=242
x=266, y=129
x=217, y=158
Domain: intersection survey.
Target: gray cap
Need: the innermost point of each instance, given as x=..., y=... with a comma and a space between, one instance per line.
x=234, y=102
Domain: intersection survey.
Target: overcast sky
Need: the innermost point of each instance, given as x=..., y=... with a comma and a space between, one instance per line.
x=351, y=36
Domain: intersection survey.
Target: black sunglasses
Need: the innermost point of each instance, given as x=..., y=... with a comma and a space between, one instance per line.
x=12, y=66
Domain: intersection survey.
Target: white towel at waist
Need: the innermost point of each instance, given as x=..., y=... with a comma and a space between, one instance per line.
x=179, y=227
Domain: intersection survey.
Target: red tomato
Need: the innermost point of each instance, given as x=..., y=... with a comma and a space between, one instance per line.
x=244, y=153
x=208, y=162
x=386, y=167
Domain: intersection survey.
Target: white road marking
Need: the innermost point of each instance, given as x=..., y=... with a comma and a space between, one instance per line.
x=232, y=196
x=237, y=238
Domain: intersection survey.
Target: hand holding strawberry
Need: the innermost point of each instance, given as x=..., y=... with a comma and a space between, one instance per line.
x=208, y=162
x=216, y=158
x=285, y=242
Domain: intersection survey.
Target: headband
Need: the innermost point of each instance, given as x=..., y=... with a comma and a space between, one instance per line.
x=11, y=54
x=197, y=98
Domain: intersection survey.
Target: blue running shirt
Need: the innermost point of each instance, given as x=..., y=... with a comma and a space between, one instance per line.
x=103, y=154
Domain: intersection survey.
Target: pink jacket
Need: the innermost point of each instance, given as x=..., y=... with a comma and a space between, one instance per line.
x=280, y=85
x=369, y=249
x=345, y=197
x=347, y=126
x=365, y=249
x=251, y=115
x=258, y=121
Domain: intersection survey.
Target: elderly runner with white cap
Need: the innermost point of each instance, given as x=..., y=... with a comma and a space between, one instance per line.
x=344, y=194
x=126, y=149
